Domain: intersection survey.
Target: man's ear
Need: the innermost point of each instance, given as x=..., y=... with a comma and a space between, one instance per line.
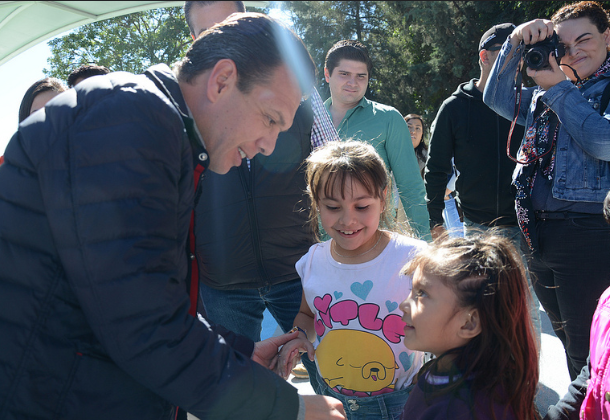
x=471, y=326
x=223, y=77
x=483, y=57
x=326, y=75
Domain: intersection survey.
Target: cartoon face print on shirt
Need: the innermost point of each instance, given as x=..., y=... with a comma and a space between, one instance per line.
x=356, y=360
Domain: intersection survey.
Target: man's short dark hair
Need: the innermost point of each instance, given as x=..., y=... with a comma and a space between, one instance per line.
x=38, y=87
x=188, y=10
x=85, y=71
x=257, y=44
x=348, y=50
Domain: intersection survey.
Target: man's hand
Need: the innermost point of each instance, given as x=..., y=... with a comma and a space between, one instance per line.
x=321, y=407
x=266, y=351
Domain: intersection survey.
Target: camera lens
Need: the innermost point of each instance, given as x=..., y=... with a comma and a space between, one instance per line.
x=534, y=59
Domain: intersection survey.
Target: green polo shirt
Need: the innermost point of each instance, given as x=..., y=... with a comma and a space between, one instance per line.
x=383, y=127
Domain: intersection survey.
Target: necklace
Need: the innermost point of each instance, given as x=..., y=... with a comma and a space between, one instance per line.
x=334, y=248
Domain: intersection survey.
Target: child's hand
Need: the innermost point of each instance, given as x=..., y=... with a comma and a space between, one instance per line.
x=266, y=352
x=290, y=353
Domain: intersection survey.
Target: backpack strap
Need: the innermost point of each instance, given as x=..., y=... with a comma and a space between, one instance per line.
x=605, y=100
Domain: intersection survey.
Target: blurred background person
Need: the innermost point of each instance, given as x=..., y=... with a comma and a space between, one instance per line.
x=417, y=129
x=39, y=94
x=84, y=72
x=419, y=137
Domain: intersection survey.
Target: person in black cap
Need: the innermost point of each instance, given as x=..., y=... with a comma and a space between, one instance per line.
x=474, y=136
x=494, y=37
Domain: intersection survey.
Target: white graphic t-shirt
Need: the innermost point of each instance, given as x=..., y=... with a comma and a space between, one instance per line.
x=359, y=348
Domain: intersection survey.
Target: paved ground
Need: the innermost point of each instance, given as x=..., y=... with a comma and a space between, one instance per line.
x=554, y=377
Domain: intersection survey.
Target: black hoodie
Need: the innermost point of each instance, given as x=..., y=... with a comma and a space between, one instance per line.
x=476, y=137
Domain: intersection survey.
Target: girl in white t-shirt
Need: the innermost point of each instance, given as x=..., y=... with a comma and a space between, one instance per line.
x=352, y=287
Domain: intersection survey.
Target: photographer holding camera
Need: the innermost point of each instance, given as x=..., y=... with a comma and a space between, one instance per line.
x=563, y=168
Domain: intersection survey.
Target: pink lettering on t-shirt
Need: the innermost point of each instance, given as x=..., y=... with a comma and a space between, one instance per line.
x=393, y=328
x=344, y=311
x=368, y=317
x=319, y=325
x=322, y=304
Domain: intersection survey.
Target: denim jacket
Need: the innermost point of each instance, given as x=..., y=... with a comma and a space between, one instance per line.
x=582, y=172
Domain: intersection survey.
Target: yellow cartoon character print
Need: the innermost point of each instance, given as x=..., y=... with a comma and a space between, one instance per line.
x=356, y=360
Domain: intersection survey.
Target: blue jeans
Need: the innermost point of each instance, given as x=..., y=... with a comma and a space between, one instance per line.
x=452, y=219
x=241, y=310
x=570, y=272
x=381, y=407
x=514, y=234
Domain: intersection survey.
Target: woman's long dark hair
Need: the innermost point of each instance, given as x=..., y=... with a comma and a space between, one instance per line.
x=38, y=87
x=487, y=274
x=421, y=151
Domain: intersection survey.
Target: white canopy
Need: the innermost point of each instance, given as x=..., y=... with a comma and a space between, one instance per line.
x=24, y=24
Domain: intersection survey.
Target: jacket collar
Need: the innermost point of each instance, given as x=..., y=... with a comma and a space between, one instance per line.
x=166, y=81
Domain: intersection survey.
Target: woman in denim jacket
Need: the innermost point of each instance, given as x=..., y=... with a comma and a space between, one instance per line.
x=563, y=171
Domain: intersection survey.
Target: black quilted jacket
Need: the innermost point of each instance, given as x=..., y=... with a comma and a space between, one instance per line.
x=96, y=195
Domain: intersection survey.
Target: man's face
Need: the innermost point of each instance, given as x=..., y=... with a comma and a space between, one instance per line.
x=348, y=82
x=204, y=17
x=493, y=52
x=239, y=125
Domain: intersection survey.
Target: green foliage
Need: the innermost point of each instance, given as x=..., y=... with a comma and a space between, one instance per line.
x=421, y=50
x=127, y=43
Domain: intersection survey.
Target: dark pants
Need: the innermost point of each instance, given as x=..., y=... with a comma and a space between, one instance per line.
x=569, y=274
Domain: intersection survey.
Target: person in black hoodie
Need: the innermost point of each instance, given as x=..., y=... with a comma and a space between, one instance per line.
x=462, y=130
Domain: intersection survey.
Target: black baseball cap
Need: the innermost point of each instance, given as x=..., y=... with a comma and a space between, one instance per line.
x=496, y=35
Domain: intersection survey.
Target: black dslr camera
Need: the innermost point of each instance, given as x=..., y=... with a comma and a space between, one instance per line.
x=537, y=55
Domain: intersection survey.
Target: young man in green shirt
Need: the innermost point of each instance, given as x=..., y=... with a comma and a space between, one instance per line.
x=347, y=70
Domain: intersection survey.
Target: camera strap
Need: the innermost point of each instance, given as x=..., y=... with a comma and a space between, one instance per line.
x=518, y=87
x=553, y=123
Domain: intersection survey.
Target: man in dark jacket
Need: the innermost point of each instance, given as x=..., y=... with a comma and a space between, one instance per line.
x=468, y=131
x=96, y=195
